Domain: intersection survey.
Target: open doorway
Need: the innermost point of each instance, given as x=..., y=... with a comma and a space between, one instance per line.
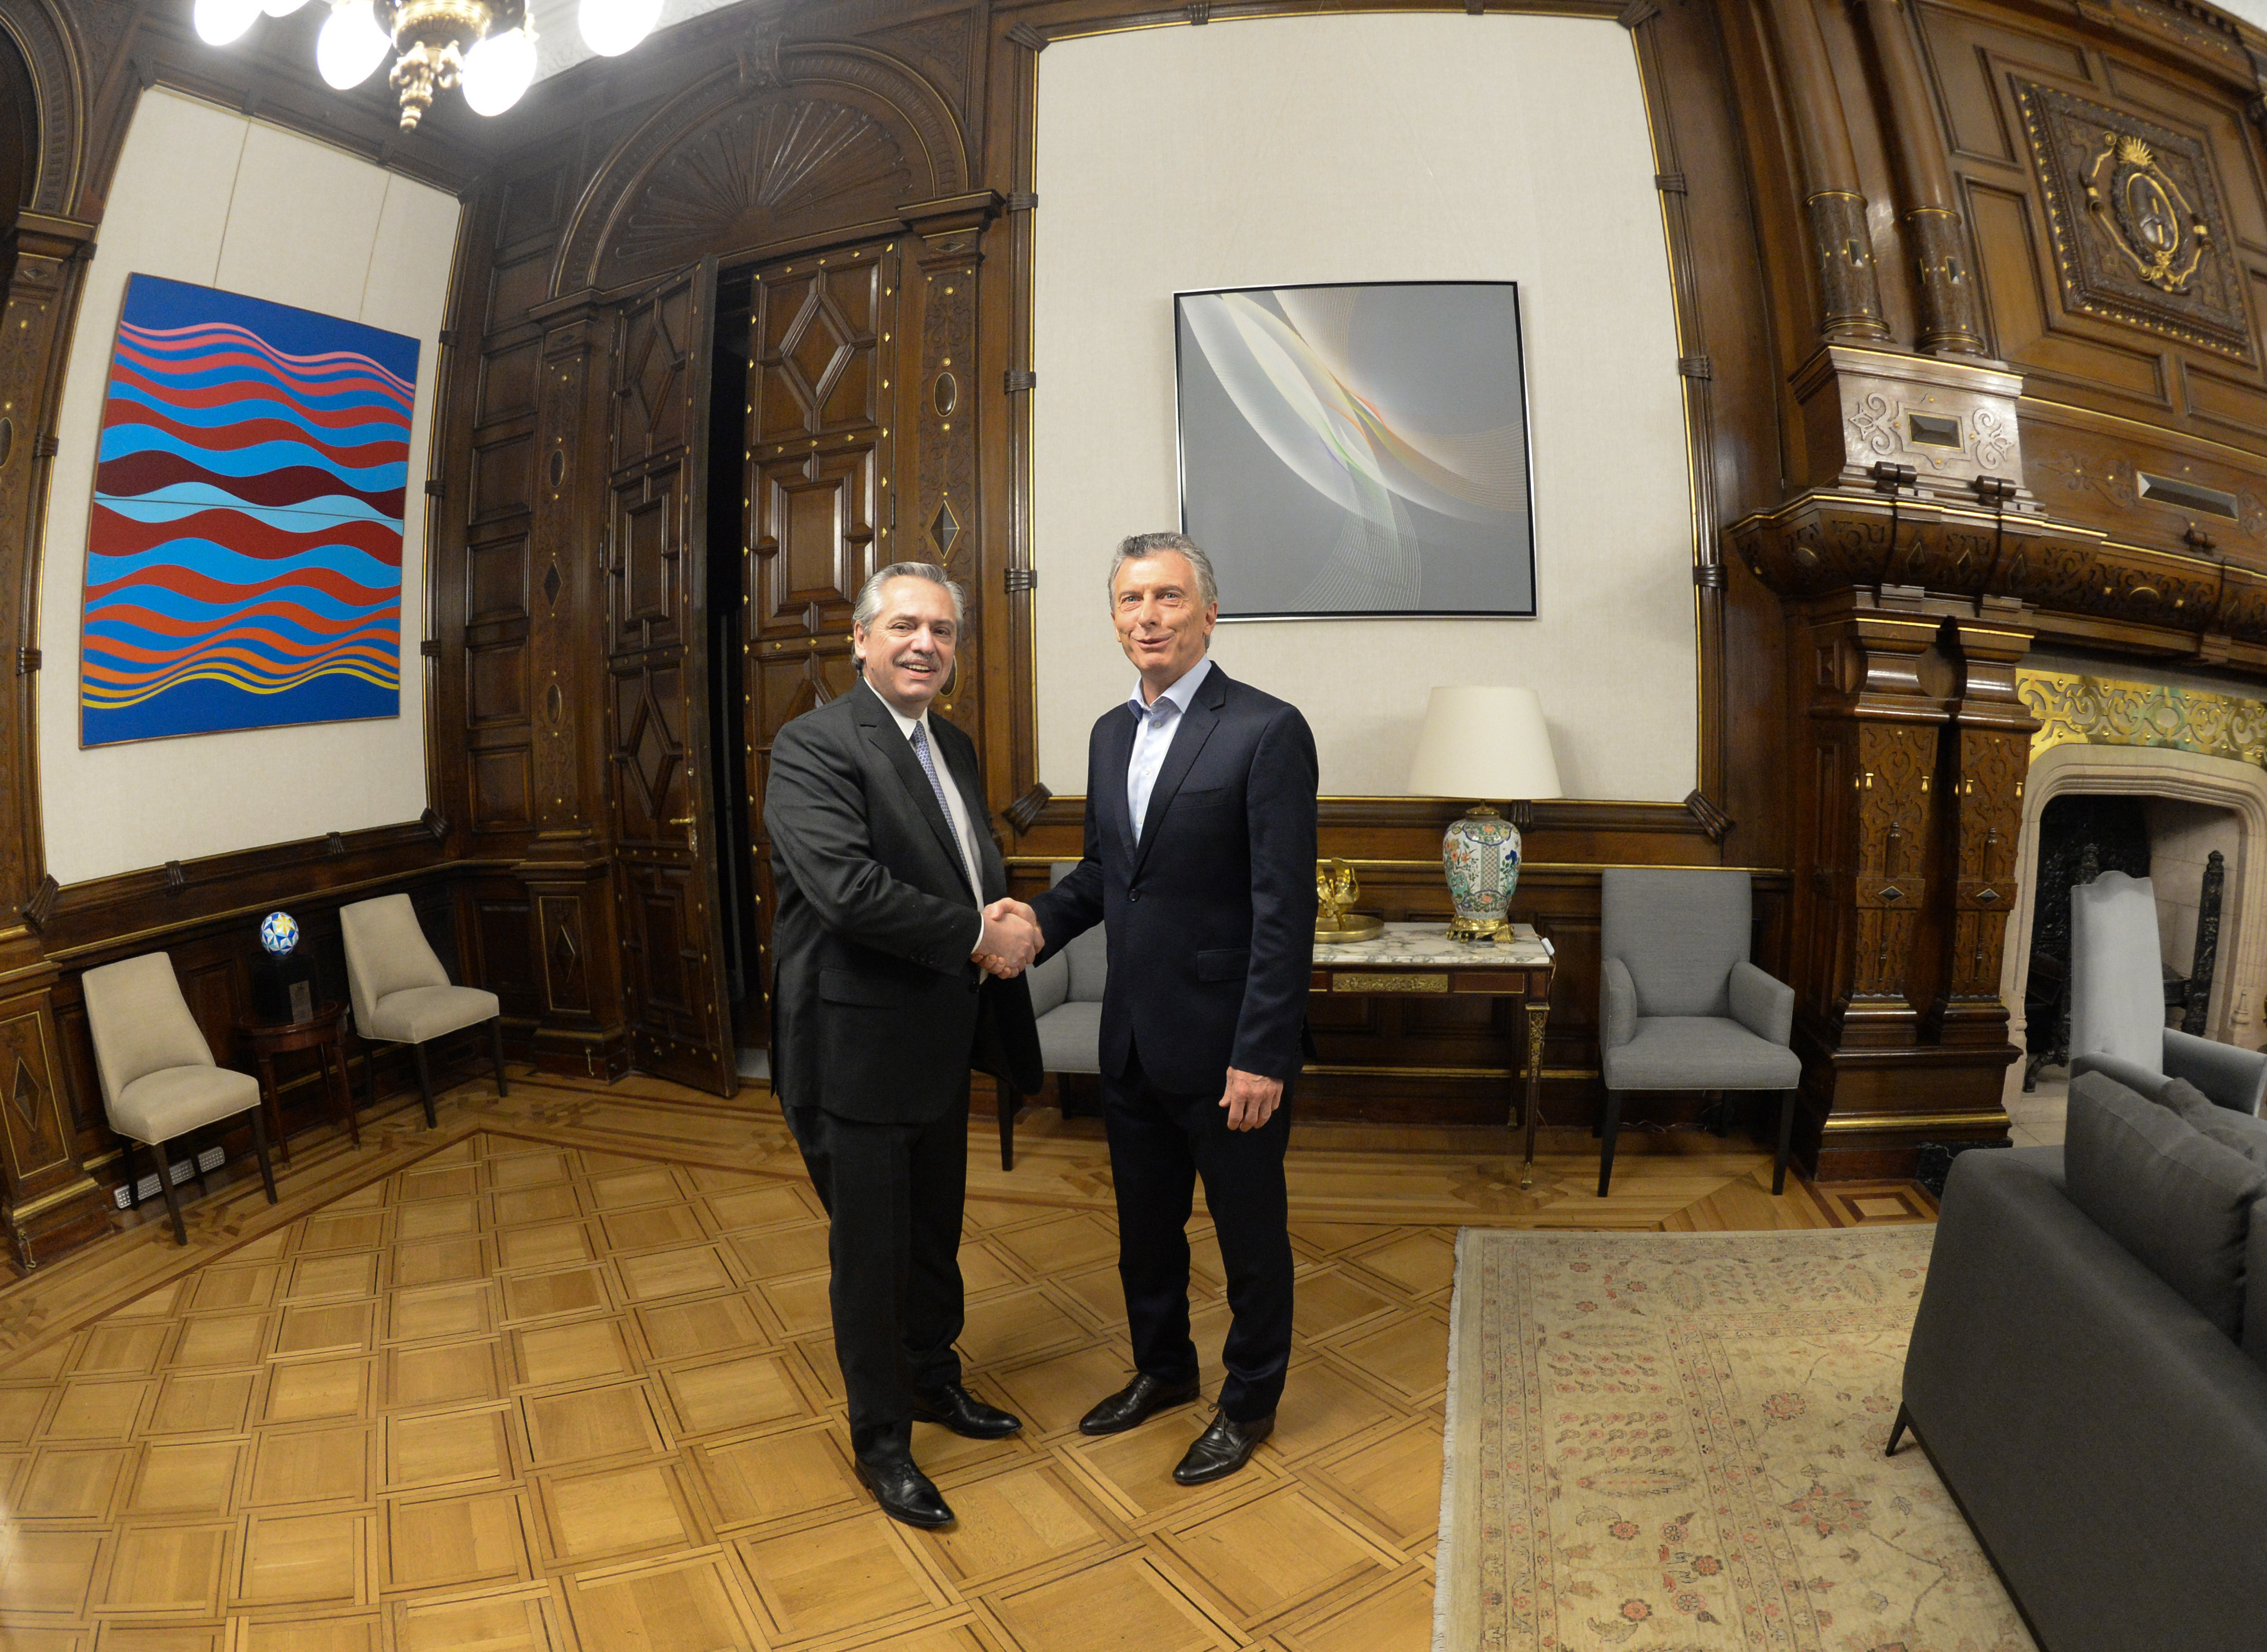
x=729, y=636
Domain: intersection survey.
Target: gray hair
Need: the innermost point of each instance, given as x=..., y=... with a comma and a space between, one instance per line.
x=1134, y=547
x=870, y=594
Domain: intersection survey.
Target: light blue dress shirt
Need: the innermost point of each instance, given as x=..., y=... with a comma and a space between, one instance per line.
x=1155, y=723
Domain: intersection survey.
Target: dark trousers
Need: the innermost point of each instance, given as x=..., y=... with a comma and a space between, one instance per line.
x=1160, y=1143
x=894, y=1195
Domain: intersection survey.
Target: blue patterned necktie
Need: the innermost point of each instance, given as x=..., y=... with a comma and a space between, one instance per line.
x=928, y=767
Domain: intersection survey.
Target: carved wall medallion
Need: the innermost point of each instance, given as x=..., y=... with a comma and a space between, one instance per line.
x=2139, y=234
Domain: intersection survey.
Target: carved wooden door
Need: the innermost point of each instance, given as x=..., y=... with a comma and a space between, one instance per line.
x=820, y=495
x=656, y=681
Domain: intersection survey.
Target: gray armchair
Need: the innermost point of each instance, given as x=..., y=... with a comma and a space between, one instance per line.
x=2117, y=1002
x=1680, y=1007
x=1067, y=998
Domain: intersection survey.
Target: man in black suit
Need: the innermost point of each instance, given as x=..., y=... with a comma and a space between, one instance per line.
x=880, y=1003
x=1200, y=860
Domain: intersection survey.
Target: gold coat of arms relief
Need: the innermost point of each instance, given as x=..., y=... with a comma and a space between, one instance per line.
x=2136, y=221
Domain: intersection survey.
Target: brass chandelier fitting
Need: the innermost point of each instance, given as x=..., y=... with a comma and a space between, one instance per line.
x=431, y=40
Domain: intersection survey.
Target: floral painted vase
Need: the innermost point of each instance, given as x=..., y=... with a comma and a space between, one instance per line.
x=1480, y=854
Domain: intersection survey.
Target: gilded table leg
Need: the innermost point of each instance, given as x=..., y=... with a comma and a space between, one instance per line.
x=1539, y=1012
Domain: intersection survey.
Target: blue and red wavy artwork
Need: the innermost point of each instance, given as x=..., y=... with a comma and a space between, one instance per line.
x=244, y=558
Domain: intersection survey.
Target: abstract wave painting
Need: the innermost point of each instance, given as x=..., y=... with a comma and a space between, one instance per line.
x=1358, y=449
x=244, y=556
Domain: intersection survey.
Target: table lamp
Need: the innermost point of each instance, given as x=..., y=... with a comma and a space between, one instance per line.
x=1491, y=743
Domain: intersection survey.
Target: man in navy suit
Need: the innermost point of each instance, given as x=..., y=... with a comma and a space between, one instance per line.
x=1200, y=861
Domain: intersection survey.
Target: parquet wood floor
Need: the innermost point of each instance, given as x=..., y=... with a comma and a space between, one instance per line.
x=559, y=1375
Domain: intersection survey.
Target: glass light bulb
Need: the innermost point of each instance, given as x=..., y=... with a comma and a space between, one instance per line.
x=280, y=8
x=351, y=44
x=498, y=70
x=611, y=28
x=220, y=21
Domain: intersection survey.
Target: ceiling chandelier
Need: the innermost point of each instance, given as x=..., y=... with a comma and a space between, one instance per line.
x=484, y=48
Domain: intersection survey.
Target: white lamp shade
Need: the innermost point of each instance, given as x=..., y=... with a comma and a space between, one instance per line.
x=350, y=45
x=220, y=21
x=1487, y=744
x=611, y=28
x=498, y=70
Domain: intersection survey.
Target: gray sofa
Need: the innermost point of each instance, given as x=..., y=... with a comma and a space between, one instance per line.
x=2089, y=1370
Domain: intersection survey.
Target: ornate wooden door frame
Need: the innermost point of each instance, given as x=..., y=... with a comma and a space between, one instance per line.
x=659, y=792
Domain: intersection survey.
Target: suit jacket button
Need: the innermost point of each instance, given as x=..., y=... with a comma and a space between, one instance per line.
x=1133, y=894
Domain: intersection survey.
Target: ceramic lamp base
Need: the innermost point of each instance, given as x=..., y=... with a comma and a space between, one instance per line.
x=1480, y=855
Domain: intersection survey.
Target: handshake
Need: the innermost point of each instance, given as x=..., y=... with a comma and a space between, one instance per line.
x=1011, y=941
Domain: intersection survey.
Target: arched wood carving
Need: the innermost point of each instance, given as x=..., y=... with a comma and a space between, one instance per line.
x=58, y=73
x=839, y=135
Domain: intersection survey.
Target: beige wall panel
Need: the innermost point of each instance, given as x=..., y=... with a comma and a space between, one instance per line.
x=1380, y=147
x=207, y=196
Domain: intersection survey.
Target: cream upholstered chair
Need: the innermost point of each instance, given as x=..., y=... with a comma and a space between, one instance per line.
x=159, y=1079
x=402, y=996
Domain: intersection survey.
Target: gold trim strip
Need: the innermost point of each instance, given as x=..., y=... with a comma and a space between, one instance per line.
x=1839, y=1123
x=1368, y=1069
x=30, y=1208
x=1378, y=980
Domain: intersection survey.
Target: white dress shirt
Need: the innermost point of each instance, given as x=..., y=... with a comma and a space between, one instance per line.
x=1155, y=723
x=956, y=810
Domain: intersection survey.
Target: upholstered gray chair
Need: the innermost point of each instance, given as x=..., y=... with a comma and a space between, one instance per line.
x=403, y=996
x=1680, y=1007
x=159, y=1080
x=1067, y=997
x=2117, y=1002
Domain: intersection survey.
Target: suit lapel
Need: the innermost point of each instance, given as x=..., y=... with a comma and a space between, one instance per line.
x=1196, y=726
x=958, y=753
x=881, y=730
x=1117, y=757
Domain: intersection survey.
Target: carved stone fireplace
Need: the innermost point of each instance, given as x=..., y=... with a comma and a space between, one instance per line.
x=2205, y=755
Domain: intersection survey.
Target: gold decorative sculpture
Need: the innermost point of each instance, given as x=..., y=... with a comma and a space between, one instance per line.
x=1337, y=888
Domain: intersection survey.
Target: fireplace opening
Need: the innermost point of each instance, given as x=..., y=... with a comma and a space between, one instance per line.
x=2185, y=847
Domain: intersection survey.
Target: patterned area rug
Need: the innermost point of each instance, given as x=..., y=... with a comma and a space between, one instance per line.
x=1672, y=1443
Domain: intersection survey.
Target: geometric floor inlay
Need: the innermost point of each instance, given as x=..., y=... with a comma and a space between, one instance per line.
x=525, y=1391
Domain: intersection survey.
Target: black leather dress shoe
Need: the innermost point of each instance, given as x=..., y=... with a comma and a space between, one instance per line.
x=1222, y=1448
x=953, y=1406
x=904, y=1491
x=1135, y=1404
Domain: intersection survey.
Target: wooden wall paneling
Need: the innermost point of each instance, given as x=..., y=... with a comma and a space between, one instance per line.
x=655, y=640
x=1008, y=63
x=943, y=406
x=52, y=1205
x=829, y=336
x=567, y=869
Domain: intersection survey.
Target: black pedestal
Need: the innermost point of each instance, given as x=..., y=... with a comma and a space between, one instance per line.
x=283, y=989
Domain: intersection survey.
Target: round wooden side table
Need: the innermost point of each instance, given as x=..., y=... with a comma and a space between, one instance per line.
x=324, y=1033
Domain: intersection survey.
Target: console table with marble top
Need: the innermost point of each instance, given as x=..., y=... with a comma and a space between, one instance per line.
x=1414, y=958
